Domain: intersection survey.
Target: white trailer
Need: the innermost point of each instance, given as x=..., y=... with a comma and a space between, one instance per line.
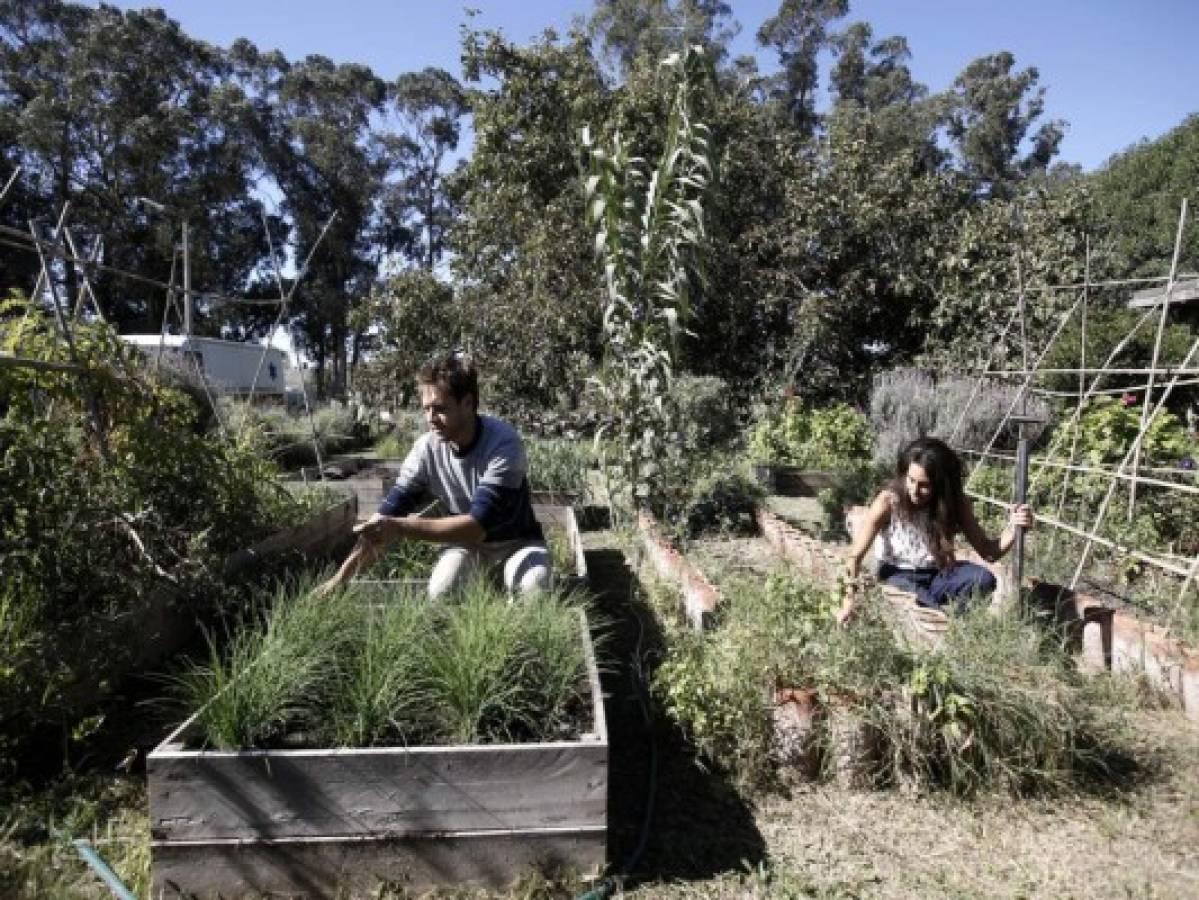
x=229, y=366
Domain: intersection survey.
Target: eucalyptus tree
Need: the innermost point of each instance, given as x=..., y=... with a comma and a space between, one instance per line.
x=312, y=121
x=798, y=32
x=428, y=106
x=991, y=111
x=640, y=32
x=102, y=106
x=520, y=248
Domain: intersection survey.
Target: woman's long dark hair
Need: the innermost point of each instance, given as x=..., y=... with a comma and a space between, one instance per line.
x=946, y=505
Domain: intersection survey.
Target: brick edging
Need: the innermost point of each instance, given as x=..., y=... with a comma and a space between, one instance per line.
x=700, y=597
x=815, y=557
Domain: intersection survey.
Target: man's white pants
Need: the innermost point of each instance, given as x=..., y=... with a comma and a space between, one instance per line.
x=525, y=565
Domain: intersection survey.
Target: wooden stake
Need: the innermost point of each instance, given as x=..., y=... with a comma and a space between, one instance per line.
x=1157, y=349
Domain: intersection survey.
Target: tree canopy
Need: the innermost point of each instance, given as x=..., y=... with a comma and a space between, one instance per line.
x=860, y=220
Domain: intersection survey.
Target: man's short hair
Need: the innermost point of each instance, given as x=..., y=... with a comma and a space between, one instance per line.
x=454, y=371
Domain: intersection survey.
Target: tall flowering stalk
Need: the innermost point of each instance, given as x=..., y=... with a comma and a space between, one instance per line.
x=649, y=236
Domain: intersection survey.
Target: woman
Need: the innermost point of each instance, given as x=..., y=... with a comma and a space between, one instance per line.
x=913, y=522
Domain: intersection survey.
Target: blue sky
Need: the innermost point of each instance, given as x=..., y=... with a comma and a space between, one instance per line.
x=1116, y=70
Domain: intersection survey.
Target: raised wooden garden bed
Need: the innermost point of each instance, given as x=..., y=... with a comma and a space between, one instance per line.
x=794, y=481
x=325, y=534
x=320, y=822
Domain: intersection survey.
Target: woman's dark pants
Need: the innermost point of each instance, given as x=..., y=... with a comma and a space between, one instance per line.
x=935, y=587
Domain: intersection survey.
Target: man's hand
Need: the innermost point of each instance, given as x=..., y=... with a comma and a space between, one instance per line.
x=379, y=530
x=363, y=554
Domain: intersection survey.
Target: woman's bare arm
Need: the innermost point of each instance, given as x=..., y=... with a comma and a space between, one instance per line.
x=877, y=515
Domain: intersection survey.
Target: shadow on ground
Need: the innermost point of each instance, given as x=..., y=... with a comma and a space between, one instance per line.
x=699, y=826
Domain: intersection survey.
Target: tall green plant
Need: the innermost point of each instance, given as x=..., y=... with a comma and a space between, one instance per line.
x=649, y=238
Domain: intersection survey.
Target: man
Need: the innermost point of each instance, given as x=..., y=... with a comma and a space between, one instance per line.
x=475, y=466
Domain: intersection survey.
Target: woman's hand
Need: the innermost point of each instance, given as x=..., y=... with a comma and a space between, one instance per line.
x=1022, y=517
x=849, y=604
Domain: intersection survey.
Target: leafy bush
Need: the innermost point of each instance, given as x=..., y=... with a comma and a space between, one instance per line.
x=724, y=500
x=856, y=485
x=1109, y=426
x=114, y=496
x=357, y=669
x=831, y=437
x=906, y=404
x=704, y=406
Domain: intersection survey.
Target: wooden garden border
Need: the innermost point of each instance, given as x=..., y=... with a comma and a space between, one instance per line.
x=795, y=481
x=315, y=822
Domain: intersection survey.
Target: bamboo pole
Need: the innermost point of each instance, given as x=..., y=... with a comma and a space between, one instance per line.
x=1020, y=394
x=1127, y=456
x=60, y=318
x=1082, y=362
x=1152, y=560
x=34, y=244
x=1157, y=349
x=1046, y=392
x=1088, y=470
x=1169, y=370
x=1116, y=351
x=12, y=179
x=85, y=287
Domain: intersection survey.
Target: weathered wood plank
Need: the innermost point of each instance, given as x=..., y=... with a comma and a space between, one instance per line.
x=282, y=794
x=334, y=868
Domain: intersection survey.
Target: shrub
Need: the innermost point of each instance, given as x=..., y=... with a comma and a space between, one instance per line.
x=724, y=500
x=703, y=404
x=831, y=437
x=906, y=404
x=558, y=465
x=113, y=495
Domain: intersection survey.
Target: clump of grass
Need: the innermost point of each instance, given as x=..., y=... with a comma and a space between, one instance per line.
x=473, y=683
x=381, y=690
x=404, y=560
x=550, y=666
x=273, y=672
x=358, y=668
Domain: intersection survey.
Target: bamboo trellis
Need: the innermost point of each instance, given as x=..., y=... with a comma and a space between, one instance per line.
x=1159, y=379
x=60, y=247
